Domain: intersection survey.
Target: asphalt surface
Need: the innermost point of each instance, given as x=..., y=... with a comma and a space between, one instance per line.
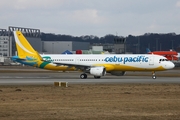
x=20, y=77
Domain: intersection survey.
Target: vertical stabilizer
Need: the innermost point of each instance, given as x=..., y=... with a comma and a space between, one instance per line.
x=148, y=50
x=23, y=47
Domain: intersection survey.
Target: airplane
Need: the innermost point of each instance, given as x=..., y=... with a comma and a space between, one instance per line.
x=170, y=55
x=96, y=65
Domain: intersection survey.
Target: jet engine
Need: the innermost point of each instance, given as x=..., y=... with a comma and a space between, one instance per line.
x=118, y=73
x=98, y=71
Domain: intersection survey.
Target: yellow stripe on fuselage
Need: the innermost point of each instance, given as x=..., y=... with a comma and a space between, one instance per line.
x=117, y=67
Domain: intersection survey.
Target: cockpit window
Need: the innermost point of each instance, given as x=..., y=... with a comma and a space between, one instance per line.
x=163, y=60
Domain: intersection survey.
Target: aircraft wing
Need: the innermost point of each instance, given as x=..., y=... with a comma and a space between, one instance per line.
x=78, y=66
x=108, y=67
x=70, y=64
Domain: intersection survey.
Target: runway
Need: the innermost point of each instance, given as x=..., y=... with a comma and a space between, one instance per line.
x=73, y=78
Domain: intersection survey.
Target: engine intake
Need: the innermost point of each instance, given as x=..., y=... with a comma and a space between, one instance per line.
x=98, y=71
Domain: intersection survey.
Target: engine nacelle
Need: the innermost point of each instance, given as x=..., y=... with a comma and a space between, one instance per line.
x=98, y=71
x=118, y=73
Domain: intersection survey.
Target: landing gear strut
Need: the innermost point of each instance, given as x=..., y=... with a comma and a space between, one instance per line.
x=153, y=75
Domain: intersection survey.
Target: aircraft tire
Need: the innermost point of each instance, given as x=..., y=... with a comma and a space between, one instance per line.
x=83, y=76
x=97, y=77
x=154, y=77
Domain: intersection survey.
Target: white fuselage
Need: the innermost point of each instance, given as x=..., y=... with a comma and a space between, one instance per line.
x=139, y=61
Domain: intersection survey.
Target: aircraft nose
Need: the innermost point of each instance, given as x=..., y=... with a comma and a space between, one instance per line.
x=170, y=65
x=173, y=65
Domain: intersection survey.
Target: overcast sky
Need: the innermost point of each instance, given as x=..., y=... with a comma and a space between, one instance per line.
x=92, y=17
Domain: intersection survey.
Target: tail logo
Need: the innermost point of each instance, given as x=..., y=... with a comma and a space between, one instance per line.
x=19, y=43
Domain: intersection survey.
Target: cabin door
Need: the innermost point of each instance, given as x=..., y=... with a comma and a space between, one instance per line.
x=151, y=60
x=77, y=60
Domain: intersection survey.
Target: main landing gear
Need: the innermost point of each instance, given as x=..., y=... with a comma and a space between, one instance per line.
x=97, y=77
x=84, y=76
x=153, y=75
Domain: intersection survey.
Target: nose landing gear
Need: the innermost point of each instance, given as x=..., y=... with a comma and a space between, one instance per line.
x=153, y=75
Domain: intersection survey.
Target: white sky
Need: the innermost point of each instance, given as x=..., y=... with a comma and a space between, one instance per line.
x=92, y=17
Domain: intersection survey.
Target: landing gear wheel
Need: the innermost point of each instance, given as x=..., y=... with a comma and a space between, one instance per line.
x=154, y=77
x=97, y=77
x=83, y=76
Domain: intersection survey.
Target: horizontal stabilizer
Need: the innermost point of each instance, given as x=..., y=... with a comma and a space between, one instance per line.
x=14, y=58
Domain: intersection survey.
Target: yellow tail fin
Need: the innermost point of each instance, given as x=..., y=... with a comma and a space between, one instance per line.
x=24, y=49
